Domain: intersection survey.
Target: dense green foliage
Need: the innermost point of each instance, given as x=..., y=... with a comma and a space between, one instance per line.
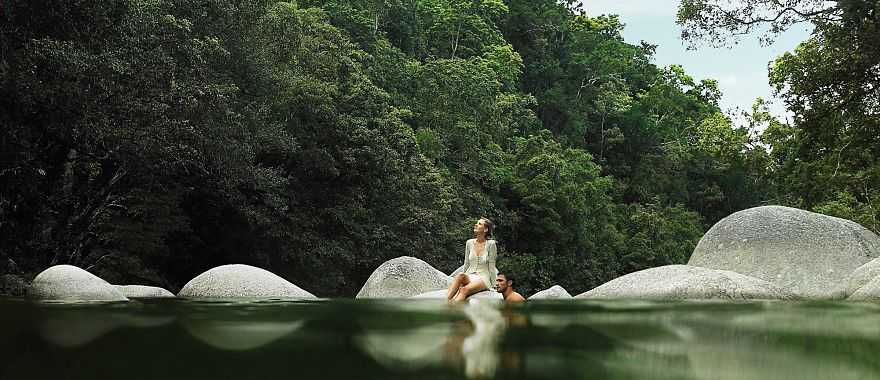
x=826, y=160
x=149, y=140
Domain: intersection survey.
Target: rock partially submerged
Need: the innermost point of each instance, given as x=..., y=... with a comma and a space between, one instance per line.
x=441, y=294
x=804, y=252
x=868, y=292
x=141, y=291
x=70, y=283
x=554, y=292
x=241, y=281
x=403, y=277
x=857, y=279
x=676, y=282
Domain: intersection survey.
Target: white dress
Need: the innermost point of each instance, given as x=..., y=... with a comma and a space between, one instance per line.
x=483, y=264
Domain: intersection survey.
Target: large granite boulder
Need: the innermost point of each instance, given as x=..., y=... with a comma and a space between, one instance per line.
x=70, y=283
x=141, y=291
x=804, y=252
x=857, y=279
x=676, y=282
x=403, y=277
x=441, y=294
x=241, y=281
x=868, y=292
x=554, y=292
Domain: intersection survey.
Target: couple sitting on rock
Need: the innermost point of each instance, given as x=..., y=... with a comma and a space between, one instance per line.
x=479, y=268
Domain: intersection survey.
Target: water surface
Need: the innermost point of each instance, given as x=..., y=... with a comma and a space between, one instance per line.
x=427, y=339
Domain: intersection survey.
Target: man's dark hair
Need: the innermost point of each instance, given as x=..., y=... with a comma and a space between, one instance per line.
x=507, y=278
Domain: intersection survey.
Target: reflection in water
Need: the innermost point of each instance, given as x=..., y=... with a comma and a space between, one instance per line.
x=239, y=335
x=409, y=349
x=77, y=326
x=472, y=343
x=350, y=339
x=480, y=349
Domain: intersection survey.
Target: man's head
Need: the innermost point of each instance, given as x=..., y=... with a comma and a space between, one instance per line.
x=502, y=282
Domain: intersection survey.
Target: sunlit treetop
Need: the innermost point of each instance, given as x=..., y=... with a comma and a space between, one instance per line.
x=723, y=22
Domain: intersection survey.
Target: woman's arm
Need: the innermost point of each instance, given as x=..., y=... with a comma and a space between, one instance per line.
x=467, y=246
x=493, y=255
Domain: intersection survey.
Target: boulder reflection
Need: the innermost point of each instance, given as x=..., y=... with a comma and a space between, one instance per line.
x=75, y=326
x=232, y=335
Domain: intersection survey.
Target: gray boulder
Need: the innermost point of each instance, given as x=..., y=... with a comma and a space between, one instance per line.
x=241, y=281
x=868, y=292
x=804, y=252
x=857, y=279
x=441, y=294
x=69, y=283
x=554, y=292
x=403, y=277
x=141, y=291
x=676, y=282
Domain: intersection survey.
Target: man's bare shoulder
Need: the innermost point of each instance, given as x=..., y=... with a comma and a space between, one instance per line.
x=515, y=297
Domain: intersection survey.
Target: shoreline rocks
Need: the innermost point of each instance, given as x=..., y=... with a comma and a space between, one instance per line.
x=858, y=279
x=868, y=292
x=678, y=282
x=805, y=252
x=403, y=277
x=142, y=291
x=70, y=283
x=555, y=292
x=441, y=294
x=241, y=281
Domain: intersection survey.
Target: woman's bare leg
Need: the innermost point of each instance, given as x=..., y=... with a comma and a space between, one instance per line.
x=460, y=280
x=470, y=288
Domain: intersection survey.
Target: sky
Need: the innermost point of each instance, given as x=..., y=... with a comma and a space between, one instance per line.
x=741, y=71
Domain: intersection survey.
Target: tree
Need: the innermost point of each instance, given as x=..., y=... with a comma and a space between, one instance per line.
x=827, y=157
x=720, y=23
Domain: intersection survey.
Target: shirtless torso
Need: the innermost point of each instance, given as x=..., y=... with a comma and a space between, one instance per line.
x=512, y=296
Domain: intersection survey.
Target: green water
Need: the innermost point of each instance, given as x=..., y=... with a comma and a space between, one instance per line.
x=348, y=339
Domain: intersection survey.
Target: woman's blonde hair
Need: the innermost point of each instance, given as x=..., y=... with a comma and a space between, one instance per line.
x=490, y=227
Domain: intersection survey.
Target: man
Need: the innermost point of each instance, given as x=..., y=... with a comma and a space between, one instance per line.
x=504, y=285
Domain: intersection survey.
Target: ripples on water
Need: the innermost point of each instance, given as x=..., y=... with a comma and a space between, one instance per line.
x=426, y=339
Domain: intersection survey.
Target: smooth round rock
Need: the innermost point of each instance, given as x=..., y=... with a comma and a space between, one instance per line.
x=70, y=283
x=441, y=294
x=403, y=277
x=554, y=292
x=857, y=279
x=241, y=281
x=867, y=292
x=141, y=291
x=677, y=282
x=804, y=252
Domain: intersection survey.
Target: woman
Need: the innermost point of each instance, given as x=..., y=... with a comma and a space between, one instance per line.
x=479, y=264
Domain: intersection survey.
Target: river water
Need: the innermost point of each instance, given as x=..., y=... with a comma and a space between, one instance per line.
x=427, y=339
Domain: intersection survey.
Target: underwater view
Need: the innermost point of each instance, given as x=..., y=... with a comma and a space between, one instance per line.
x=409, y=339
